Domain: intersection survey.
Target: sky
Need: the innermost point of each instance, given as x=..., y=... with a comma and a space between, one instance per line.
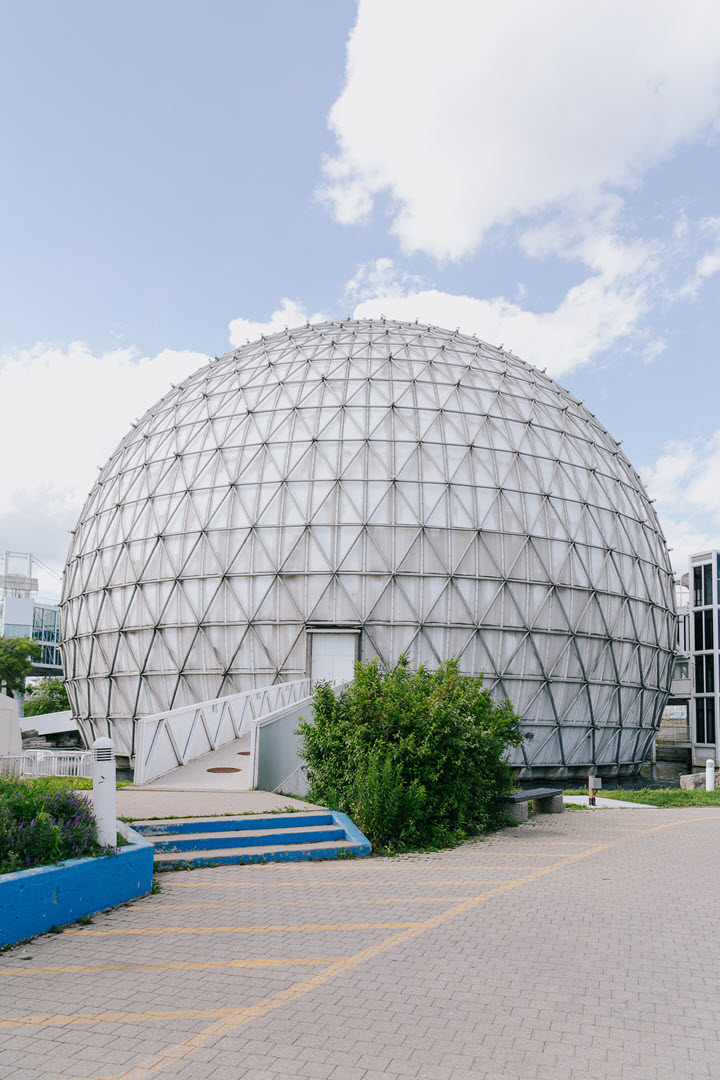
x=179, y=177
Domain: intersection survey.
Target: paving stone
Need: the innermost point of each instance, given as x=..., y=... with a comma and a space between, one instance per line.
x=577, y=963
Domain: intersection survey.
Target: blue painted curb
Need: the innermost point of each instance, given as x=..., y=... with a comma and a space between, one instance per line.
x=247, y=839
x=356, y=845
x=359, y=842
x=266, y=822
x=32, y=901
x=298, y=854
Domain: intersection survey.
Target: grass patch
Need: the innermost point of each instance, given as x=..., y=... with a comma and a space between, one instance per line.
x=667, y=798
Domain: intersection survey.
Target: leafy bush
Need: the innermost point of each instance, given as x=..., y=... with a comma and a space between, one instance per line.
x=417, y=759
x=16, y=657
x=39, y=826
x=48, y=696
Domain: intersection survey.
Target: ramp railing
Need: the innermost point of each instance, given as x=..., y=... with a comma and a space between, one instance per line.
x=167, y=740
x=275, y=748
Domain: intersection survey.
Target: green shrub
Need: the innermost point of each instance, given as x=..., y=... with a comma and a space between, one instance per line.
x=40, y=825
x=48, y=696
x=416, y=758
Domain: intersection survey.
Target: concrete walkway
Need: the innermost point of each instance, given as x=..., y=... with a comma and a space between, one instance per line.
x=201, y=774
x=141, y=803
x=575, y=947
x=606, y=804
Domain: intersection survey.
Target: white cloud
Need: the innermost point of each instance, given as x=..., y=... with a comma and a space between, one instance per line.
x=591, y=317
x=471, y=114
x=684, y=480
x=65, y=411
x=653, y=349
x=290, y=313
x=380, y=277
x=707, y=265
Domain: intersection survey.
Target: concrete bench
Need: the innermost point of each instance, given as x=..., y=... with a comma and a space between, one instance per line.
x=544, y=800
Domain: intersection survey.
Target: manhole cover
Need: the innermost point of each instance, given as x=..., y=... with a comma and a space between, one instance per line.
x=224, y=768
x=243, y=753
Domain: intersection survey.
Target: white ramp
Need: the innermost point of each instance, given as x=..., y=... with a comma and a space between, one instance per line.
x=172, y=740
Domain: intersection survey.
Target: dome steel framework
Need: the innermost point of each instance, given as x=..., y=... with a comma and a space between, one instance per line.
x=437, y=494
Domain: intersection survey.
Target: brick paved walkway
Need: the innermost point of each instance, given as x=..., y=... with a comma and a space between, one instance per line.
x=581, y=945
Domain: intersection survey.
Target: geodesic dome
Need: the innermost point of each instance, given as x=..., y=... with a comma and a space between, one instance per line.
x=437, y=495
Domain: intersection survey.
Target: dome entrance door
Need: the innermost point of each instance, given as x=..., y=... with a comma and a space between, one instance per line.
x=333, y=654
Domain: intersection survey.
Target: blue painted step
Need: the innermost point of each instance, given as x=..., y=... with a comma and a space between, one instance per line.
x=253, y=838
x=239, y=824
x=190, y=841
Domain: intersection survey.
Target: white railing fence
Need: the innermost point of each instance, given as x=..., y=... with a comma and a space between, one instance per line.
x=47, y=763
x=167, y=740
x=670, y=734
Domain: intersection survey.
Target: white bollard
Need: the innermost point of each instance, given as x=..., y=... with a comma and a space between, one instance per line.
x=104, y=798
x=709, y=774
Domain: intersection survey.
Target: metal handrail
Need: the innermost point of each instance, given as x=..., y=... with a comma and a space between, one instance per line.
x=167, y=740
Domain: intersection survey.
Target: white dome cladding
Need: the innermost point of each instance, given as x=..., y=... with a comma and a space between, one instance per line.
x=441, y=495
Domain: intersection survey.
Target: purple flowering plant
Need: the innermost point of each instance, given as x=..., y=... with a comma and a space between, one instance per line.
x=40, y=826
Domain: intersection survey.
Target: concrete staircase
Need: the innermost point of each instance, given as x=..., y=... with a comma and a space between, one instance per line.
x=215, y=841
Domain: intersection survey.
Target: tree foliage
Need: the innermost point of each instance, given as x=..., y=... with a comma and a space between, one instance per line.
x=48, y=696
x=416, y=758
x=16, y=656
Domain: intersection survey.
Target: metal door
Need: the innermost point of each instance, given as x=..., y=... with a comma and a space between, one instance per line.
x=333, y=656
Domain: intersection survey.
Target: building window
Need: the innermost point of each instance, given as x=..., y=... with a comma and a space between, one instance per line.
x=702, y=585
x=703, y=626
x=684, y=633
x=697, y=586
x=710, y=719
x=699, y=675
x=704, y=674
x=705, y=720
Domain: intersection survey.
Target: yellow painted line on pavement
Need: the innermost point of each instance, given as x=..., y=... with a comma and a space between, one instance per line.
x=242, y=929
x=530, y=854
x=309, y=903
x=231, y=1020
x=563, y=843
x=368, y=882
x=72, y=1019
x=176, y=965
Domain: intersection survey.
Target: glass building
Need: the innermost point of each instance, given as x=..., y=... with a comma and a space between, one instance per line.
x=369, y=488
x=704, y=629
x=22, y=615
